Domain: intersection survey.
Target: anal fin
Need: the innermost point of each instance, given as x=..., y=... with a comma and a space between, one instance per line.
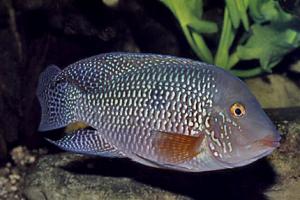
x=86, y=141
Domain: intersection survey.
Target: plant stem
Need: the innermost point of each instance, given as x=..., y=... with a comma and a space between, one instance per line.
x=202, y=47
x=233, y=60
x=198, y=45
x=227, y=36
x=242, y=8
x=233, y=12
x=203, y=26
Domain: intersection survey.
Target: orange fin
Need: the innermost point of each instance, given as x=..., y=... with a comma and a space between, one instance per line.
x=176, y=148
x=75, y=126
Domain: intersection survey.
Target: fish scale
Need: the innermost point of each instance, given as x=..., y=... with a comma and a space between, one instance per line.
x=157, y=110
x=151, y=92
x=104, y=67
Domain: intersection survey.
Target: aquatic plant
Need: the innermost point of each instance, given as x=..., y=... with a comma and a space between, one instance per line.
x=251, y=30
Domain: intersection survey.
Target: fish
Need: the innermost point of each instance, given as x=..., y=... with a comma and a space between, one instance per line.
x=158, y=110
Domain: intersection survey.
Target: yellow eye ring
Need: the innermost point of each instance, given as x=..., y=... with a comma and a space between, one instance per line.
x=237, y=110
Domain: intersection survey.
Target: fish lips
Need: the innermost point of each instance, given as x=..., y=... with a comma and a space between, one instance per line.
x=270, y=141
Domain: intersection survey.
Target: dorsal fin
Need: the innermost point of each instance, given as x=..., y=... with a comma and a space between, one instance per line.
x=94, y=73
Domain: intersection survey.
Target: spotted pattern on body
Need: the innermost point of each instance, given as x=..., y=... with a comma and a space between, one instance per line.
x=152, y=99
x=158, y=110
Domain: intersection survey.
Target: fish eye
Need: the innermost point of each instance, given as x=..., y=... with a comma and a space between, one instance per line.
x=237, y=110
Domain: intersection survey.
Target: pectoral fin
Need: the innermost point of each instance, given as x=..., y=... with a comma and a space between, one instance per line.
x=176, y=148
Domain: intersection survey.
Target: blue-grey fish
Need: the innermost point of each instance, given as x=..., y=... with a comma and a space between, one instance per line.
x=158, y=110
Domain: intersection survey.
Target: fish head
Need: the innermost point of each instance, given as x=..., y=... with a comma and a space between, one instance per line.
x=239, y=130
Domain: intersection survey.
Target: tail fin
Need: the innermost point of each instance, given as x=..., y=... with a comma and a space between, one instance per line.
x=58, y=100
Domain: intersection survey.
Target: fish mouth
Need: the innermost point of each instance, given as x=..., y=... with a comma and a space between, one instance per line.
x=266, y=146
x=270, y=141
x=248, y=160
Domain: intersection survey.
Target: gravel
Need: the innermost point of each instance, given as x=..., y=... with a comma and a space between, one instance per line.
x=13, y=172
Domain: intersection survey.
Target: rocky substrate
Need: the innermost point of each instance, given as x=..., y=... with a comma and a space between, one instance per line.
x=286, y=163
x=13, y=172
x=69, y=176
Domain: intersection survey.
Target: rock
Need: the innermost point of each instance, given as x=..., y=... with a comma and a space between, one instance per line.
x=53, y=178
x=70, y=176
x=21, y=156
x=111, y=3
x=275, y=91
x=12, y=173
x=10, y=178
x=296, y=67
x=286, y=163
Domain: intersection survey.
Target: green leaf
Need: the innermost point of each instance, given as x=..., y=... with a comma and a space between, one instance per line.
x=185, y=11
x=189, y=14
x=233, y=13
x=267, y=10
x=269, y=44
x=270, y=36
